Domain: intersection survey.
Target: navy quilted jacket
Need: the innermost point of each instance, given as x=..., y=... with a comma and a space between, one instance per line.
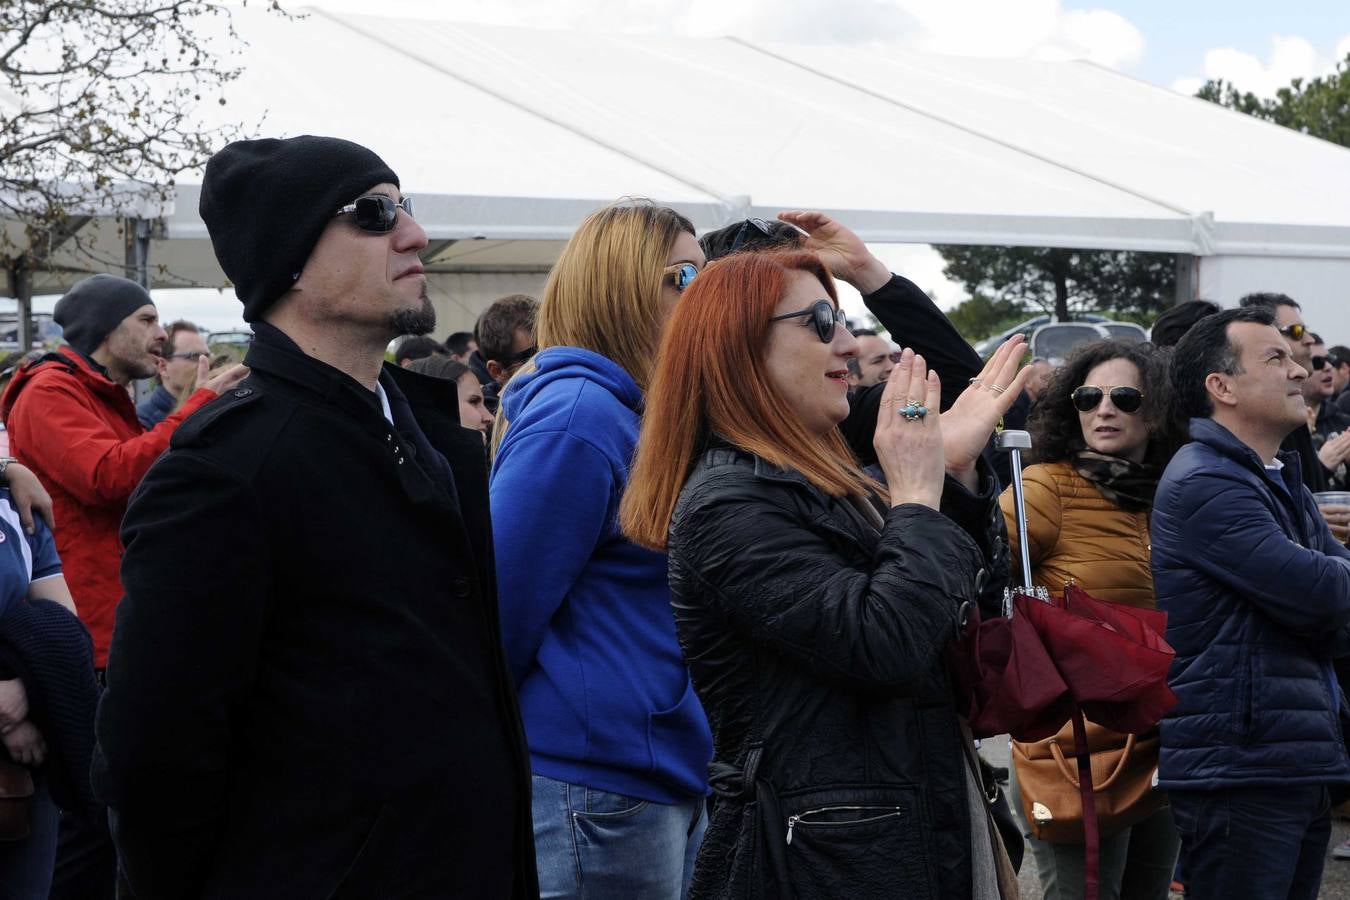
x=1257, y=594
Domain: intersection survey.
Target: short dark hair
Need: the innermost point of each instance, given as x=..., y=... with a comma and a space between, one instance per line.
x=1206, y=349
x=173, y=329
x=1175, y=322
x=1268, y=300
x=750, y=234
x=439, y=367
x=863, y=332
x=1339, y=355
x=1316, y=338
x=497, y=326
x=416, y=346
x=458, y=343
x=1054, y=424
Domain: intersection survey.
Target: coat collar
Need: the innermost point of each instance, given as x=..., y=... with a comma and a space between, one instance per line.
x=1214, y=435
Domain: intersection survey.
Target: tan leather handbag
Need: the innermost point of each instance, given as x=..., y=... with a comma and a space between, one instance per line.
x=16, y=795
x=1123, y=769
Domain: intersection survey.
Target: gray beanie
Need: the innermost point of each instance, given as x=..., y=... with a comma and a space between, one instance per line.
x=94, y=306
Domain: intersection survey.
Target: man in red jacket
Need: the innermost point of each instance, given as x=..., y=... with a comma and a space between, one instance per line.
x=70, y=419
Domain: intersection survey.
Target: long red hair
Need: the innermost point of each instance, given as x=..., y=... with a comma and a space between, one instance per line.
x=710, y=379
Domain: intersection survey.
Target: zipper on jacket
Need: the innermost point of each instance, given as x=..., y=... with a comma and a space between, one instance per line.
x=882, y=812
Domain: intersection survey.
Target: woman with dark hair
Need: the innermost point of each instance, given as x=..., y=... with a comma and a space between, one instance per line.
x=473, y=412
x=1101, y=436
x=814, y=605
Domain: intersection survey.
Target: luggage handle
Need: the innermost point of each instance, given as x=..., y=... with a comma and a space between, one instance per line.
x=1014, y=442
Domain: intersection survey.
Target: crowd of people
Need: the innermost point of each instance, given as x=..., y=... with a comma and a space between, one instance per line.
x=646, y=588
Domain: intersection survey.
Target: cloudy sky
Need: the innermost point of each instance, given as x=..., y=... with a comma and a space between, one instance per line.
x=1256, y=44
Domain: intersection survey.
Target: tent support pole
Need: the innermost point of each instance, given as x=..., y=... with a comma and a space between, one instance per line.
x=1188, y=279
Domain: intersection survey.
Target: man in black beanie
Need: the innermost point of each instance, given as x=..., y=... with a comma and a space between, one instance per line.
x=318, y=705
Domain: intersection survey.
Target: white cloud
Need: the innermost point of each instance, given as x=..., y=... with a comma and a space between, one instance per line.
x=1290, y=57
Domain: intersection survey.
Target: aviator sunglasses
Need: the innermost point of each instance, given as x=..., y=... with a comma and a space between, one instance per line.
x=824, y=315
x=376, y=213
x=1089, y=397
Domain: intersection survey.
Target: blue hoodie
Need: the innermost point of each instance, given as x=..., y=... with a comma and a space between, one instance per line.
x=586, y=619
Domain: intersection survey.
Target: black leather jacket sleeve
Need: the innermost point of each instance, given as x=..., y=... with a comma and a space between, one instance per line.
x=915, y=322
x=781, y=577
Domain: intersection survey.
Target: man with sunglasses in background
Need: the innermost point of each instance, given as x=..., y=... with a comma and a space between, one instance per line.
x=315, y=703
x=1257, y=593
x=1330, y=428
x=504, y=334
x=183, y=348
x=1339, y=357
x=1289, y=321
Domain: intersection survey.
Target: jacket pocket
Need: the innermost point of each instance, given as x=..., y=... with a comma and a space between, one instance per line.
x=1245, y=691
x=670, y=733
x=856, y=842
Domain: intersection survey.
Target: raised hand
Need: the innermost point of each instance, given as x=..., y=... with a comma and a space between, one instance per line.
x=842, y=251
x=909, y=449
x=967, y=425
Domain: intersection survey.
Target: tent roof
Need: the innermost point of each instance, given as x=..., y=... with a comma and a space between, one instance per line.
x=511, y=134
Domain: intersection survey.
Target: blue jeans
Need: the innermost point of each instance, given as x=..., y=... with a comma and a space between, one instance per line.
x=26, y=865
x=596, y=845
x=1265, y=842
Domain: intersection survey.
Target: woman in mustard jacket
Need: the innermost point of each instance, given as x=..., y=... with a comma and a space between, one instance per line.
x=1101, y=441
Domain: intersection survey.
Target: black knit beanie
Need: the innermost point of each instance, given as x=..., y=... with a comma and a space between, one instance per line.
x=266, y=202
x=94, y=306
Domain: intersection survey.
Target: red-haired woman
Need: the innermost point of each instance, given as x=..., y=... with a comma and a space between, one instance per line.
x=813, y=605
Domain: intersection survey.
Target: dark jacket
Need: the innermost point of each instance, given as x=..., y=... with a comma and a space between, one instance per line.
x=1257, y=594
x=1332, y=422
x=307, y=696
x=815, y=640
x=1300, y=443
x=915, y=322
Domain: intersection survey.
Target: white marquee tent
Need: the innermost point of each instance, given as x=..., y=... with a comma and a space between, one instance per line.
x=509, y=136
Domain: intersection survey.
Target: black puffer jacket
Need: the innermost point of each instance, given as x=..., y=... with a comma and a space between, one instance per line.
x=815, y=642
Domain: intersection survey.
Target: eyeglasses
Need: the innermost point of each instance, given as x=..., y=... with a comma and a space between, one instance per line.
x=743, y=233
x=681, y=275
x=522, y=357
x=376, y=213
x=192, y=355
x=824, y=316
x=1294, y=332
x=1089, y=397
x=1319, y=361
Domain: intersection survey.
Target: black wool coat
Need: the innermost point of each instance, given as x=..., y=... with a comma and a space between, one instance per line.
x=815, y=641
x=307, y=695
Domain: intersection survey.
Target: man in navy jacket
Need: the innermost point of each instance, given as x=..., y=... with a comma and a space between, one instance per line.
x=1257, y=593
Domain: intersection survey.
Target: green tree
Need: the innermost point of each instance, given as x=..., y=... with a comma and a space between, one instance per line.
x=982, y=316
x=1319, y=107
x=1065, y=281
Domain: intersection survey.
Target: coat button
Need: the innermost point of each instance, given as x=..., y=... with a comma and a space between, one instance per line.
x=461, y=587
x=981, y=579
x=243, y=392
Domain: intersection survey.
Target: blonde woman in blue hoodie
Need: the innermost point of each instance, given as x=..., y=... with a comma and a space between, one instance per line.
x=619, y=744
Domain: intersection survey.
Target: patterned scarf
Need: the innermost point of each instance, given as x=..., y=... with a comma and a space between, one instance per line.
x=1129, y=485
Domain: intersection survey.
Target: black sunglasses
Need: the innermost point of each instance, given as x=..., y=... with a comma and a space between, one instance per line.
x=1319, y=361
x=681, y=275
x=743, y=233
x=522, y=357
x=376, y=213
x=824, y=315
x=1089, y=397
x=1294, y=332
